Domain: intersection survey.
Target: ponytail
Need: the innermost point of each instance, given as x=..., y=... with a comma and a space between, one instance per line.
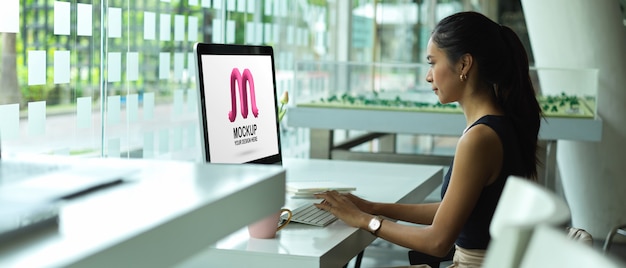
x=517, y=96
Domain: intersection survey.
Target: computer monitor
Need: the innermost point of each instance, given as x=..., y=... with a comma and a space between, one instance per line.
x=237, y=104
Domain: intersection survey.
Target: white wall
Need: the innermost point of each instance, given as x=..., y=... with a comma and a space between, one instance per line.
x=588, y=34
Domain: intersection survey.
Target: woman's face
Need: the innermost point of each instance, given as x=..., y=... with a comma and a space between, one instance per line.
x=445, y=81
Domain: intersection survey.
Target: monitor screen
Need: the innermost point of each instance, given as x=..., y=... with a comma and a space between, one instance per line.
x=237, y=104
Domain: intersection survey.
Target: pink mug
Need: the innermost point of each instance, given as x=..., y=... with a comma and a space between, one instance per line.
x=268, y=226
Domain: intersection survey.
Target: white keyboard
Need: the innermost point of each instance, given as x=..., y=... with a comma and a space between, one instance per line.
x=309, y=214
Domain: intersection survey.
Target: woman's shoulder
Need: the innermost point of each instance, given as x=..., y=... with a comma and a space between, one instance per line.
x=479, y=138
x=492, y=119
x=499, y=123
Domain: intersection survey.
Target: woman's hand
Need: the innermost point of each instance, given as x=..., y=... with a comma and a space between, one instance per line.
x=362, y=204
x=342, y=206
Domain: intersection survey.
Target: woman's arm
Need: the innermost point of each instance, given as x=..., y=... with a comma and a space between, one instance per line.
x=477, y=162
x=414, y=213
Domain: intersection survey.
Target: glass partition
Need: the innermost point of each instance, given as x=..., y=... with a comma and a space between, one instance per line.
x=115, y=78
x=353, y=85
x=566, y=92
x=365, y=86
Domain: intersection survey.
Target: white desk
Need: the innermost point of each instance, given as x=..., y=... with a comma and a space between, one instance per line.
x=299, y=245
x=171, y=211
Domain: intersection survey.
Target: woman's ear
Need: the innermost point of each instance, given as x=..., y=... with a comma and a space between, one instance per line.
x=465, y=63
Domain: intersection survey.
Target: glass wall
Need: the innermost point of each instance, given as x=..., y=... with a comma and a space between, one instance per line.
x=115, y=78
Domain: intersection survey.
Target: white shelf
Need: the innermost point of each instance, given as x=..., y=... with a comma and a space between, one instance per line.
x=403, y=122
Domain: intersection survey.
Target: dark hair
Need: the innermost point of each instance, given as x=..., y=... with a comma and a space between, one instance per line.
x=503, y=66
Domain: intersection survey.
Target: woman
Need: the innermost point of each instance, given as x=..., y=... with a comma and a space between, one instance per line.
x=483, y=66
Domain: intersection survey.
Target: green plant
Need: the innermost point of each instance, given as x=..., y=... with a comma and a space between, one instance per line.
x=284, y=99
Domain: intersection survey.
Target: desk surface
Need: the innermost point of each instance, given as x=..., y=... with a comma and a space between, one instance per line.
x=299, y=245
x=403, y=122
x=164, y=215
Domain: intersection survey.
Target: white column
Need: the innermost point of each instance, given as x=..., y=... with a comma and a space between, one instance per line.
x=588, y=34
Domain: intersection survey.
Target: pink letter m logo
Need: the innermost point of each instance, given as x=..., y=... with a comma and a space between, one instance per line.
x=243, y=81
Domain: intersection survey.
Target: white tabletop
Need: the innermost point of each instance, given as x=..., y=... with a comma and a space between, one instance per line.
x=169, y=211
x=299, y=245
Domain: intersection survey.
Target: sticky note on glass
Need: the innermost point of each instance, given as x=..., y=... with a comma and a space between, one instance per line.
x=10, y=16
x=149, y=25
x=132, y=107
x=113, y=110
x=241, y=6
x=267, y=32
x=179, y=28
x=83, y=112
x=164, y=65
x=230, y=31
x=36, y=118
x=132, y=66
x=114, y=73
x=61, y=18
x=84, y=27
x=113, y=148
x=217, y=31
x=9, y=121
x=259, y=33
x=231, y=5
x=276, y=31
x=192, y=36
x=217, y=4
x=283, y=8
x=191, y=65
x=268, y=8
x=61, y=67
x=148, y=105
x=115, y=22
x=36, y=67
x=148, y=145
x=250, y=34
x=179, y=65
x=250, y=7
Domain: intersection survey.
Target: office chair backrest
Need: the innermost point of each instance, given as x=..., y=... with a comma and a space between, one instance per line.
x=523, y=205
x=550, y=247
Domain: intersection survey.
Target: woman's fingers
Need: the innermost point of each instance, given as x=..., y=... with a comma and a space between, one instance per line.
x=329, y=198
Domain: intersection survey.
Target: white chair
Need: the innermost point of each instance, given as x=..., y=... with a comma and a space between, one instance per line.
x=550, y=247
x=620, y=229
x=523, y=205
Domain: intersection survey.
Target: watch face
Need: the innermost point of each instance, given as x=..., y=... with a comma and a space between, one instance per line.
x=374, y=224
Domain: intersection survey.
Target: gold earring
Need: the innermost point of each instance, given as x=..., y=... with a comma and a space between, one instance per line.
x=463, y=77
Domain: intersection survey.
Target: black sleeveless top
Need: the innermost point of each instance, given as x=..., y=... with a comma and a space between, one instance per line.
x=475, y=232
